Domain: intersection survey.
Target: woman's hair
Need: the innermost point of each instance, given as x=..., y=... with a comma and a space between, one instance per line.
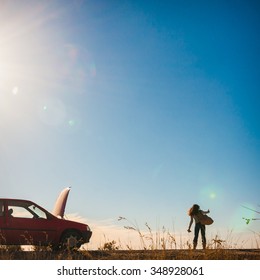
x=194, y=210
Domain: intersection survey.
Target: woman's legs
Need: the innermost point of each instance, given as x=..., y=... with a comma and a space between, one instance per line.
x=196, y=235
x=203, y=235
x=199, y=228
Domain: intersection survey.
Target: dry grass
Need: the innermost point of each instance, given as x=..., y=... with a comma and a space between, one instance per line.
x=209, y=254
x=158, y=245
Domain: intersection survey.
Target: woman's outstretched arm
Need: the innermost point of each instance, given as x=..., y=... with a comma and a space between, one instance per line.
x=191, y=221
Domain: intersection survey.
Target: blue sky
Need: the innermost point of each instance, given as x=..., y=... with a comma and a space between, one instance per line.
x=142, y=107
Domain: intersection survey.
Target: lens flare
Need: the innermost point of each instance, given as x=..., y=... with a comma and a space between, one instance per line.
x=73, y=124
x=53, y=112
x=77, y=66
x=243, y=217
x=209, y=193
x=15, y=90
x=213, y=195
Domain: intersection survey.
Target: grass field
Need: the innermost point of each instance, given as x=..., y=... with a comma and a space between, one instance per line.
x=158, y=245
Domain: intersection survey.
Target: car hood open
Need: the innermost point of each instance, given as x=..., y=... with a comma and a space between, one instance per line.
x=60, y=205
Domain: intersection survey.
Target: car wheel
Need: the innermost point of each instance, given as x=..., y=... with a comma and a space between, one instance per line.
x=71, y=240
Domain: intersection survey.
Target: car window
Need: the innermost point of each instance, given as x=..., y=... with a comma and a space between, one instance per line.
x=38, y=211
x=24, y=209
x=19, y=212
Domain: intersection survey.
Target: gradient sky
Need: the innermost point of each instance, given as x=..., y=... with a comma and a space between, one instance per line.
x=142, y=107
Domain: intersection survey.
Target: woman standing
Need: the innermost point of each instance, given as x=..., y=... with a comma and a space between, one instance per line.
x=194, y=213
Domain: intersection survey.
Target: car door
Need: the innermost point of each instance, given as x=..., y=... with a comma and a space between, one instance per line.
x=28, y=224
x=3, y=223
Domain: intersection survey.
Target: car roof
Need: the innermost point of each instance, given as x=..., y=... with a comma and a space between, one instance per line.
x=16, y=199
x=22, y=200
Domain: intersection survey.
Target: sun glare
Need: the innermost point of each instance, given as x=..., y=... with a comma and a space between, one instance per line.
x=212, y=195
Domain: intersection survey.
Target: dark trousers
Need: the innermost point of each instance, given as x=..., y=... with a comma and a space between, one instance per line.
x=199, y=228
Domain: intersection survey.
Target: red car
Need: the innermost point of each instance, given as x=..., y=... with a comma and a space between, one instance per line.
x=23, y=222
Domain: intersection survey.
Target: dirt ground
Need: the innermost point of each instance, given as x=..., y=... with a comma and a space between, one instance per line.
x=212, y=254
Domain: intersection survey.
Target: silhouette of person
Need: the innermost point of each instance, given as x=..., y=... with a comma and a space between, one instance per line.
x=10, y=212
x=194, y=213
